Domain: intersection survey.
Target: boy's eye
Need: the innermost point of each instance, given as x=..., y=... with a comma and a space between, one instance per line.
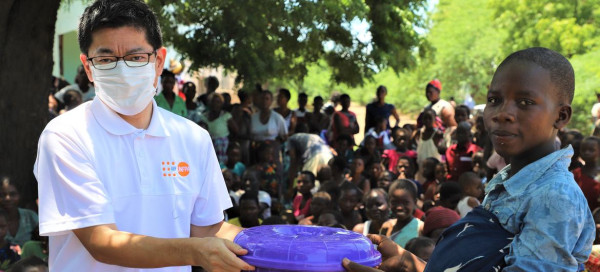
x=525, y=102
x=492, y=100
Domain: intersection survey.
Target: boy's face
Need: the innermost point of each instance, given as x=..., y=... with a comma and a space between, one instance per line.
x=249, y=209
x=589, y=151
x=460, y=115
x=402, y=204
x=304, y=184
x=523, y=111
x=348, y=200
x=400, y=139
x=377, y=207
x=319, y=204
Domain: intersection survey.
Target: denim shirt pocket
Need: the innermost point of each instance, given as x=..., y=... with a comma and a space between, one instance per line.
x=506, y=217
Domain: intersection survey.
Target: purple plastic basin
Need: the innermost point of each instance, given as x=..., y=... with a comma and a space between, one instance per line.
x=283, y=248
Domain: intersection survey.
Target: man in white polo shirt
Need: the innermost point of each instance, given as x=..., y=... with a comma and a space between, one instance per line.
x=124, y=184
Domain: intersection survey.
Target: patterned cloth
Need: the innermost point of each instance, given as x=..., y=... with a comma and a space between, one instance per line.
x=545, y=209
x=475, y=243
x=221, y=148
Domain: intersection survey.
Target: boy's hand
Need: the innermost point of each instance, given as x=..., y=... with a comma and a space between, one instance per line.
x=394, y=258
x=216, y=254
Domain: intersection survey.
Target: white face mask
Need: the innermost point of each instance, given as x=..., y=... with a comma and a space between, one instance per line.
x=126, y=90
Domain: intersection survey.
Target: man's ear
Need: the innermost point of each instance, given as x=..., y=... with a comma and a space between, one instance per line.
x=86, y=66
x=564, y=116
x=161, y=55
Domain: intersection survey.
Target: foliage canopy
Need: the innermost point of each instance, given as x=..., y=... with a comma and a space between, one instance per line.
x=264, y=39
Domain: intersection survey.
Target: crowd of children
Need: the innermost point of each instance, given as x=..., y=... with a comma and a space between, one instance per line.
x=408, y=183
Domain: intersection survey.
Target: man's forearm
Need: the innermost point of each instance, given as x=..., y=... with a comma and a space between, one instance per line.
x=115, y=247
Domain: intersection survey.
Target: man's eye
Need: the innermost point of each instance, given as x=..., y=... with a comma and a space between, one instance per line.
x=525, y=102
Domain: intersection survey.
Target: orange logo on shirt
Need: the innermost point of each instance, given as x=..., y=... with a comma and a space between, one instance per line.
x=170, y=170
x=183, y=169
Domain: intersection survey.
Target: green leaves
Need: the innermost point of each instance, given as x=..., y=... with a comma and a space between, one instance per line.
x=265, y=39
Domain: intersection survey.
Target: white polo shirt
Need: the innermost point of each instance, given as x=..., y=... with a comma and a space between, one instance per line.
x=94, y=168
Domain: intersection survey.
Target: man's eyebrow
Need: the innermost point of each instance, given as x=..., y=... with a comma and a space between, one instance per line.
x=104, y=50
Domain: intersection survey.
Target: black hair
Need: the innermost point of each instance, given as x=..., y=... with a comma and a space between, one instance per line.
x=377, y=190
x=417, y=243
x=349, y=186
x=404, y=184
x=339, y=163
x=560, y=69
x=302, y=95
x=318, y=97
x=242, y=95
x=381, y=88
x=449, y=189
x=310, y=175
x=187, y=86
x=250, y=195
x=118, y=13
x=336, y=214
x=464, y=108
x=286, y=93
x=466, y=179
x=25, y=263
x=343, y=96
x=267, y=92
x=167, y=74
x=212, y=83
x=592, y=138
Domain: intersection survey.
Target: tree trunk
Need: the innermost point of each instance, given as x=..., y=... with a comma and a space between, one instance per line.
x=26, y=40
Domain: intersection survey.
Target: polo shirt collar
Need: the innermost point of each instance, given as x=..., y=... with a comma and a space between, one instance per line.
x=114, y=124
x=531, y=173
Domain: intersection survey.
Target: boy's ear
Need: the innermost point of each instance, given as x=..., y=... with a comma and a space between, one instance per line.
x=564, y=116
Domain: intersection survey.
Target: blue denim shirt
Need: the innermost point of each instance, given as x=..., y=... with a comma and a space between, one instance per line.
x=545, y=209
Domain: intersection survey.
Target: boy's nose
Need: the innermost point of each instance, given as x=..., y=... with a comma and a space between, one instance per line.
x=504, y=114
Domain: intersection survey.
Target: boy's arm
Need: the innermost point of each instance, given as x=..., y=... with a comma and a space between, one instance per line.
x=557, y=232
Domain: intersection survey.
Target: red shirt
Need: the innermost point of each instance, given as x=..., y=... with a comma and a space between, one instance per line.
x=460, y=161
x=296, y=206
x=589, y=186
x=393, y=156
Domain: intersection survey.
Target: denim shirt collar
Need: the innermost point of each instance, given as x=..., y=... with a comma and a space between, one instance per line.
x=530, y=173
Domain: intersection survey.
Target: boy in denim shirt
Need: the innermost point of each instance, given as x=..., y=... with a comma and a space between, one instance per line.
x=534, y=217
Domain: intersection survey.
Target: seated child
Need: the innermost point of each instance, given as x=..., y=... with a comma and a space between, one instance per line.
x=534, y=216
x=401, y=141
x=349, y=199
x=331, y=218
x=460, y=155
x=429, y=185
x=233, y=163
x=402, y=201
x=472, y=189
x=320, y=202
x=249, y=211
x=421, y=246
x=385, y=180
x=586, y=176
x=269, y=178
x=7, y=255
x=301, y=204
x=450, y=195
x=378, y=212
x=381, y=134
x=251, y=182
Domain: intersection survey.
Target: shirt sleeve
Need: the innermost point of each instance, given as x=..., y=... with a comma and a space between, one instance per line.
x=214, y=197
x=557, y=232
x=281, y=128
x=71, y=196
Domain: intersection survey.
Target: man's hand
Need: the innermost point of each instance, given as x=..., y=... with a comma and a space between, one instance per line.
x=216, y=254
